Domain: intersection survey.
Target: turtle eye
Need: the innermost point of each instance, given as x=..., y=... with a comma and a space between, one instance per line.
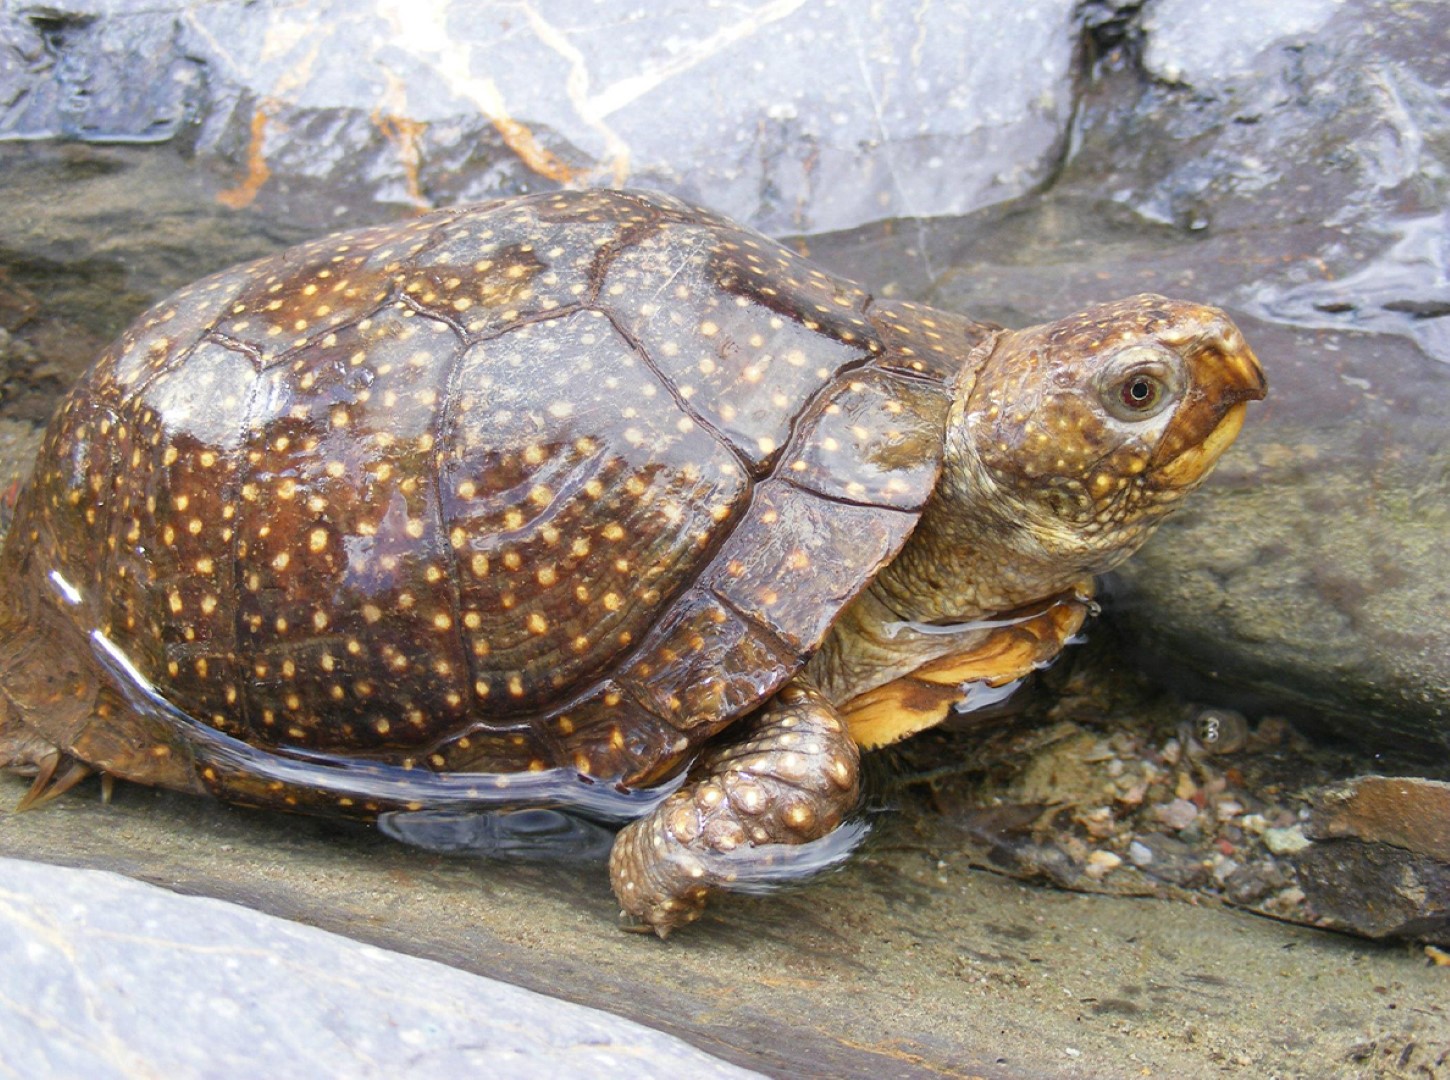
x=1141, y=392
x=1139, y=385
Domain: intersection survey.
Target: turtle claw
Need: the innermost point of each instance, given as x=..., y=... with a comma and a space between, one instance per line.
x=633, y=924
x=56, y=774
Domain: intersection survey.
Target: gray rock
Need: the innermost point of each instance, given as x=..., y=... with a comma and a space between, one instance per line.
x=787, y=114
x=103, y=976
x=1377, y=857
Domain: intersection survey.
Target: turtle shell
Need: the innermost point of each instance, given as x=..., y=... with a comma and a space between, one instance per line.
x=566, y=482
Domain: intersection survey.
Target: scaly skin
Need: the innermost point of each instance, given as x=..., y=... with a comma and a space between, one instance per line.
x=788, y=779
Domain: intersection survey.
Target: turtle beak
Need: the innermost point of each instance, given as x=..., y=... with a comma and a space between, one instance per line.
x=1226, y=377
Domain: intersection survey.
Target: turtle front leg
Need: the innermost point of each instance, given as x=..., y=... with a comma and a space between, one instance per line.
x=790, y=778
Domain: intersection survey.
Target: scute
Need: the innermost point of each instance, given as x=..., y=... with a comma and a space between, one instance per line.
x=797, y=560
x=745, y=354
x=583, y=500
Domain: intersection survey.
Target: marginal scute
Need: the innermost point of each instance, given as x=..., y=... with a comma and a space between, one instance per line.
x=704, y=664
x=487, y=748
x=614, y=739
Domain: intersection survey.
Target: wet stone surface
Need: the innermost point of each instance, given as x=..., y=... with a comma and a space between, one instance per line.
x=452, y=102
x=1303, y=188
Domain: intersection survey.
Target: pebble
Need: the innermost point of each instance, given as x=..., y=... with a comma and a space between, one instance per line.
x=1286, y=841
x=1101, y=863
x=1139, y=853
x=1099, y=823
x=1178, y=814
x=1228, y=808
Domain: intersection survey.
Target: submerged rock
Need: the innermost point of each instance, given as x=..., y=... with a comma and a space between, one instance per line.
x=1315, y=168
x=1380, y=861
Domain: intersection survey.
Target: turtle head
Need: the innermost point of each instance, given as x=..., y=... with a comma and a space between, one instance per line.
x=1067, y=444
x=1089, y=430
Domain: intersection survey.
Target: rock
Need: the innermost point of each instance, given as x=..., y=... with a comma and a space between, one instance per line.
x=1312, y=157
x=1286, y=841
x=108, y=976
x=1379, y=863
x=1178, y=814
x=1405, y=812
x=1376, y=890
x=927, y=110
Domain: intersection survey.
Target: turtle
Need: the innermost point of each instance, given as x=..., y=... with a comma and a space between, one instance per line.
x=590, y=499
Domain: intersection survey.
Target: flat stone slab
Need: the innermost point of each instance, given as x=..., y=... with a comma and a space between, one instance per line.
x=104, y=976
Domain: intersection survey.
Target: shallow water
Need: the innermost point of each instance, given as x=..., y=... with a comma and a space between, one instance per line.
x=906, y=962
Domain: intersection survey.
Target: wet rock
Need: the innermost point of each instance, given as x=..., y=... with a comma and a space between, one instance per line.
x=1379, y=863
x=1404, y=812
x=1376, y=890
x=866, y=973
x=928, y=109
x=96, y=71
x=1285, y=841
x=1376, y=860
x=107, y=976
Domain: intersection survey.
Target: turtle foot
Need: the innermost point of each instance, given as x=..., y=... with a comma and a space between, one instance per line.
x=760, y=809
